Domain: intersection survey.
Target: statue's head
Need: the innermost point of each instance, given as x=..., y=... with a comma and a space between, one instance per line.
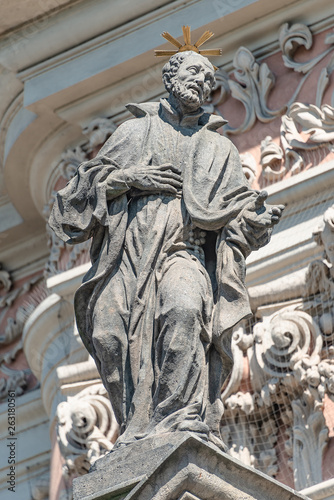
x=189, y=77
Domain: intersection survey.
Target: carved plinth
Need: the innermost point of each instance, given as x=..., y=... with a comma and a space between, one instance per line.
x=176, y=466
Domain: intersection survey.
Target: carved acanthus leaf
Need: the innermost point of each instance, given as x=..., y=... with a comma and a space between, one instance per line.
x=9, y=299
x=271, y=160
x=290, y=39
x=14, y=326
x=248, y=166
x=299, y=35
x=253, y=85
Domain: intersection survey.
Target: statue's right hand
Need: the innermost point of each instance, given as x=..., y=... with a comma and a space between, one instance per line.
x=153, y=178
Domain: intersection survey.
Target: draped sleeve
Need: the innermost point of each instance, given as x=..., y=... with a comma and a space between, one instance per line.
x=217, y=193
x=84, y=204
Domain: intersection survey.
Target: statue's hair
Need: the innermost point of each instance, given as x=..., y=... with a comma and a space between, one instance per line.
x=171, y=67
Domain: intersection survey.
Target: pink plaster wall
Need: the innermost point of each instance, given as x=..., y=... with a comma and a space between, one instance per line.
x=286, y=82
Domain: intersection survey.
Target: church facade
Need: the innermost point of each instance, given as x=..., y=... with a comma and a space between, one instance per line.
x=68, y=68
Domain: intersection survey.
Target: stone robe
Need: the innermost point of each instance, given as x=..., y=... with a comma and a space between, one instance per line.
x=167, y=275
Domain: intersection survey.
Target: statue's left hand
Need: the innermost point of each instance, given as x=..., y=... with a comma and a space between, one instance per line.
x=260, y=215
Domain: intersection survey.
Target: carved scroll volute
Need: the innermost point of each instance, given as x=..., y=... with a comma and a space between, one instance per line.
x=86, y=430
x=288, y=338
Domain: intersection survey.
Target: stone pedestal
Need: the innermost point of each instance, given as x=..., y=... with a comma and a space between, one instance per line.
x=176, y=466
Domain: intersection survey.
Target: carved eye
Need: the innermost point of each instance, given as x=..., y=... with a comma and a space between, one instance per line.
x=209, y=78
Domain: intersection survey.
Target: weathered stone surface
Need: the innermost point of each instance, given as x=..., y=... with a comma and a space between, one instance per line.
x=172, y=220
x=176, y=466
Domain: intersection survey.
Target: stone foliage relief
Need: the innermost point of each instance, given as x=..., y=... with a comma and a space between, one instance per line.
x=289, y=355
x=17, y=302
x=306, y=130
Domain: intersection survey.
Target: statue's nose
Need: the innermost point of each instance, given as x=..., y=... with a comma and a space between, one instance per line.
x=200, y=79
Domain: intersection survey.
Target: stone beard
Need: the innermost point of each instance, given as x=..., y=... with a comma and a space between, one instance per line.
x=172, y=220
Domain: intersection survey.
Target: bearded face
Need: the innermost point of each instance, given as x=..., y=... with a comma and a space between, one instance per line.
x=193, y=81
x=187, y=94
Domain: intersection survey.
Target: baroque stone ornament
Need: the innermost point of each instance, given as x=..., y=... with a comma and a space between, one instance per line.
x=252, y=88
x=172, y=220
x=295, y=36
x=97, y=131
x=12, y=320
x=5, y=280
x=288, y=359
x=86, y=429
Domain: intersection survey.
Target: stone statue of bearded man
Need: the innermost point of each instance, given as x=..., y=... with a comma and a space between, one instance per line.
x=172, y=221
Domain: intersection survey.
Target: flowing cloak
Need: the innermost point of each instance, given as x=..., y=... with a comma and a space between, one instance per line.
x=214, y=196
